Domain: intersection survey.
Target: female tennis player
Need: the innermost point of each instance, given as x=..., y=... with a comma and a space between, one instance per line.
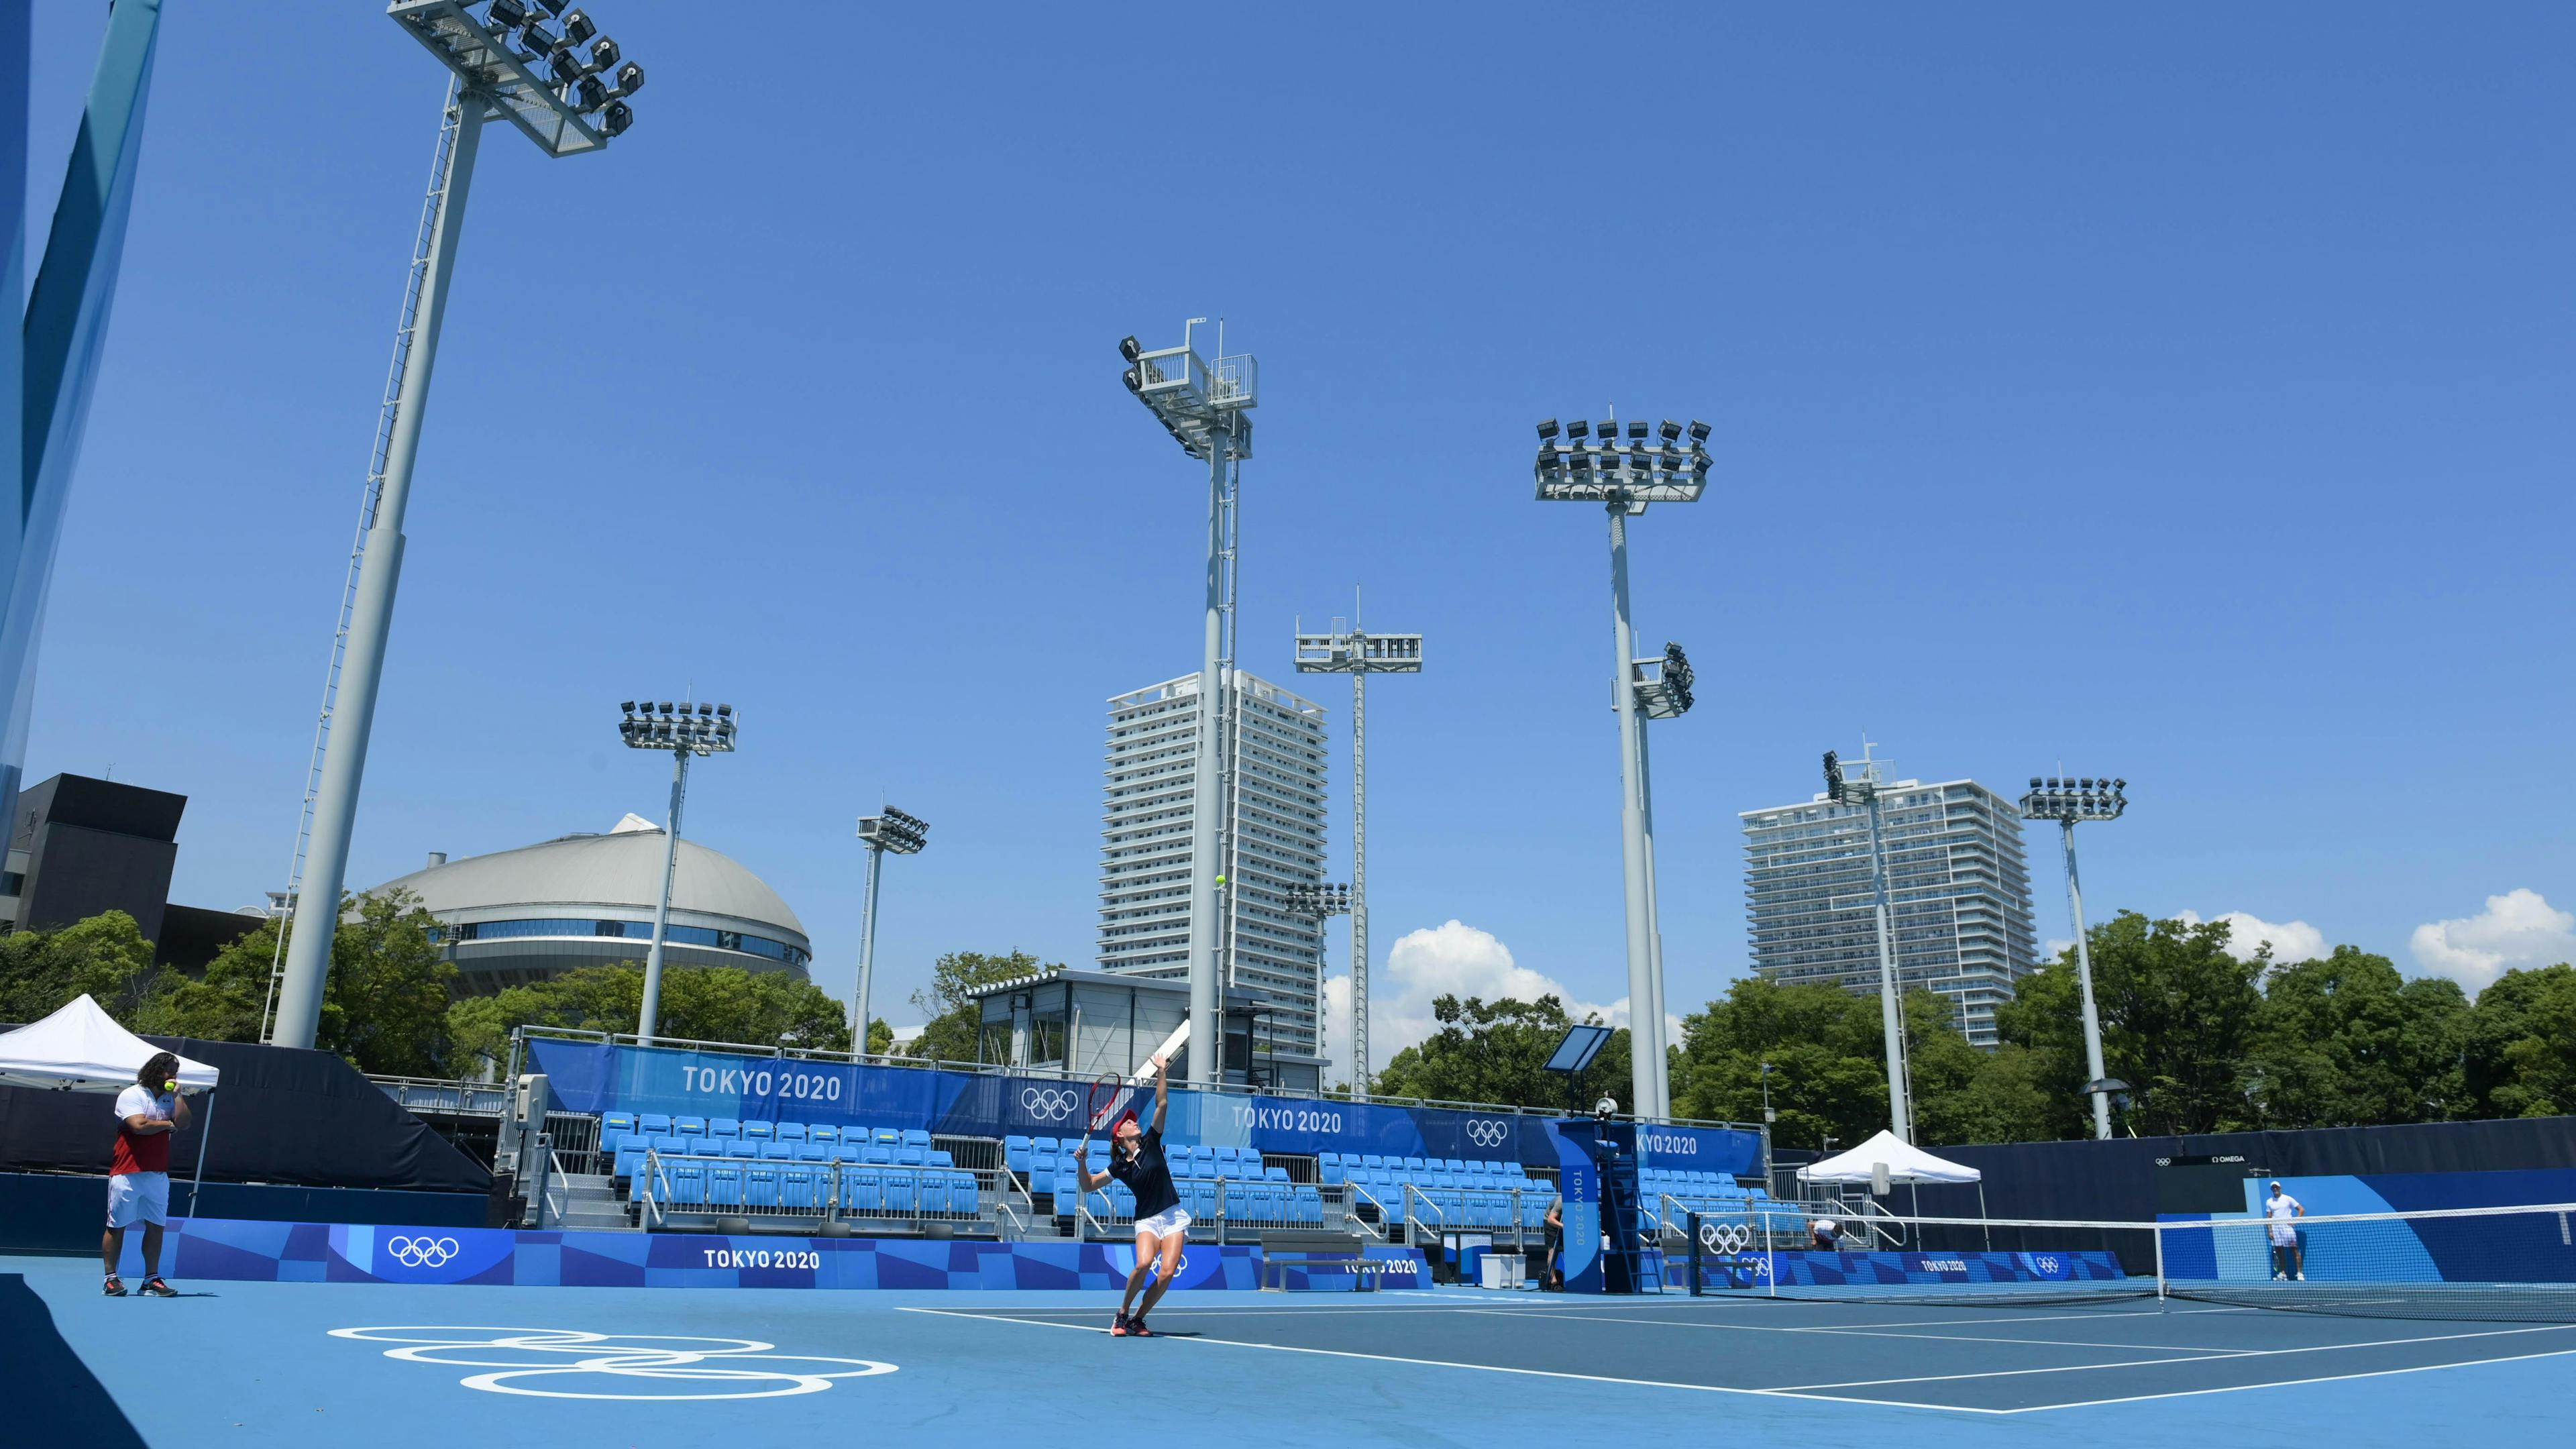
x=1162, y=1227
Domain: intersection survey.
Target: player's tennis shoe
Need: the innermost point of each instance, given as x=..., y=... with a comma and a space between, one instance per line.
x=1118, y=1327
x=115, y=1286
x=153, y=1287
x=2303, y=1277
x=1136, y=1327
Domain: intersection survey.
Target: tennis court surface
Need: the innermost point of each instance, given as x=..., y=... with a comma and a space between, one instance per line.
x=398, y=1365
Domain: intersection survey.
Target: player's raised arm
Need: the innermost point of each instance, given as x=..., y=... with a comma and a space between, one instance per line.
x=1162, y=1091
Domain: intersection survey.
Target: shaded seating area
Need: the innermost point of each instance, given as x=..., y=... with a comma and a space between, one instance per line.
x=1450, y=1192
x=709, y=1165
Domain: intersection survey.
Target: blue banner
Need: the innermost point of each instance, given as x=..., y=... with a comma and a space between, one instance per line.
x=592, y=1077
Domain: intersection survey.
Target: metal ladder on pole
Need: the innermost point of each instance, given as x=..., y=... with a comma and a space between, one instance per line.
x=442, y=159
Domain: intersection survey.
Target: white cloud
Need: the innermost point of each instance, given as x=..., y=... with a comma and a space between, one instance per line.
x=1454, y=959
x=2247, y=933
x=2518, y=928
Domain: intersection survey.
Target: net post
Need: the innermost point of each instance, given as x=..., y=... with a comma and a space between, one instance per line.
x=2159, y=1232
x=1690, y=1221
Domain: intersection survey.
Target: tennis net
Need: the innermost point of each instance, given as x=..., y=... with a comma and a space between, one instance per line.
x=2511, y=1264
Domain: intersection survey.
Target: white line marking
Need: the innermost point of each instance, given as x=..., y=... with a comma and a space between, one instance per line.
x=2195, y=1348
x=2281, y=1383
x=2158, y=1362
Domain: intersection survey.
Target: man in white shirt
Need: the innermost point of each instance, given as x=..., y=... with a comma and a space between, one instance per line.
x=2283, y=1212
x=138, y=1173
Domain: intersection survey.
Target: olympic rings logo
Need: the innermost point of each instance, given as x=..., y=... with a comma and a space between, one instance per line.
x=546, y=1363
x=1049, y=1104
x=2045, y=1262
x=1487, y=1134
x=423, y=1252
x=1725, y=1237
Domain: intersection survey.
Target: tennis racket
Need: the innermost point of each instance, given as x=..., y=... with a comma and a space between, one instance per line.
x=1109, y=1096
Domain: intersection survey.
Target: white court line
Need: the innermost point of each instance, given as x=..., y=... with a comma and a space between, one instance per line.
x=2193, y=1348
x=1490, y=1368
x=2281, y=1383
x=2158, y=1362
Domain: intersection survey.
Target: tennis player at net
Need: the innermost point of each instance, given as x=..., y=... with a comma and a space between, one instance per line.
x=1162, y=1226
x=138, y=1173
x=2283, y=1212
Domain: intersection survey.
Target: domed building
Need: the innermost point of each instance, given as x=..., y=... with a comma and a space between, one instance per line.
x=517, y=916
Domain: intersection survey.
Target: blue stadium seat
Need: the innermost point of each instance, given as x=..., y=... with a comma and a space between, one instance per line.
x=822, y=1132
x=758, y=1131
x=916, y=1137
x=860, y=1192
x=1046, y=1146
x=1015, y=1154
x=654, y=1124
x=815, y=1152
x=849, y=1152
x=941, y=1157
x=898, y=1191
x=778, y=1151
x=723, y=1127
x=688, y=1185
x=759, y=1185
x=689, y=1126
x=616, y=1122
x=789, y=1131
x=911, y=1156
x=740, y=1147
x=877, y=1153
x=1372, y=1161
x=1411, y=1164
x=802, y=1189
x=889, y=1137
x=1274, y=1174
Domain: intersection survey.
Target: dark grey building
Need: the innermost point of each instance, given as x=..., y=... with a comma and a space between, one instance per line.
x=80, y=846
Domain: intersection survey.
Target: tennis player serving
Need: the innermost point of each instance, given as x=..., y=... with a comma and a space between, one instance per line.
x=1162, y=1228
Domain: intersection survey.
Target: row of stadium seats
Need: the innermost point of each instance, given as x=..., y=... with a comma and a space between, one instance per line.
x=796, y=1187
x=628, y=1153
x=1697, y=1186
x=1337, y=1167
x=1257, y=1201
x=1025, y=1155
x=1461, y=1194
x=613, y=1125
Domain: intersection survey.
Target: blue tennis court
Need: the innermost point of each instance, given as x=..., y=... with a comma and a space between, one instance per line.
x=399, y=1365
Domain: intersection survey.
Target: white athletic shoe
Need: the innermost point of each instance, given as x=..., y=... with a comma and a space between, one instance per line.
x=2280, y=1277
x=2303, y=1277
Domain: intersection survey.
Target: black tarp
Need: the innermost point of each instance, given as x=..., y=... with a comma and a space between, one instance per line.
x=2115, y=1181
x=281, y=1115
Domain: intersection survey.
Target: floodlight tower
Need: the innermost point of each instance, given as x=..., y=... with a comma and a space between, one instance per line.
x=545, y=87
x=705, y=729
x=1207, y=410
x=1576, y=466
x=904, y=835
x=1891, y=1012
x=1359, y=654
x=1319, y=902
x=2066, y=802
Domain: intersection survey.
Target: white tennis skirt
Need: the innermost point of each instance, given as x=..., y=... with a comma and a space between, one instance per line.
x=1163, y=1224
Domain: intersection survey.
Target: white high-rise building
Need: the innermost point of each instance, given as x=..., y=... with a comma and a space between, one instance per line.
x=1956, y=878
x=1271, y=834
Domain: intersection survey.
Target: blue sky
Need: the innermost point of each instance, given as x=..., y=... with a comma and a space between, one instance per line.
x=2176, y=395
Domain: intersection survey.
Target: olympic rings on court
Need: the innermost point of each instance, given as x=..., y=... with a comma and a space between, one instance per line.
x=745, y=1368
x=423, y=1252
x=1487, y=1134
x=1051, y=1104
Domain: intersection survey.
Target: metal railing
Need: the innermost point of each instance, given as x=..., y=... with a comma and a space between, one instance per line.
x=1509, y=1203
x=820, y=1191
x=520, y=1035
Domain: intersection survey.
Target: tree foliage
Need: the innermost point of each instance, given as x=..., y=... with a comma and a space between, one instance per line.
x=2178, y=1022
x=699, y=1003
x=384, y=1007
x=951, y=1017
x=1497, y=1052
x=104, y=957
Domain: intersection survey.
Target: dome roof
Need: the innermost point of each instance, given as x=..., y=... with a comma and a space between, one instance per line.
x=620, y=870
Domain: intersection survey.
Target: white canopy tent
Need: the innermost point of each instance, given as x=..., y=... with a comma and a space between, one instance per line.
x=1891, y=1159
x=81, y=1049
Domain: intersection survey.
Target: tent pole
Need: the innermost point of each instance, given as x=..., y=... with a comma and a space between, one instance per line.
x=1981, y=1214
x=205, y=1130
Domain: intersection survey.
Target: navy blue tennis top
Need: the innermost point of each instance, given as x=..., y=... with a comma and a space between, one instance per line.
x=1146, y=1174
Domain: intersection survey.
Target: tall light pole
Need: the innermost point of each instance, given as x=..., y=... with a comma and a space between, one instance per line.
x=1661, y=688
x=705, y=729
x=1207, y=410
x=1891, y=1009
x=1359, y=654
x=1576, y=465
x=1318, y=902
x=904, y=835
x=543, y=85
x=2066, y=802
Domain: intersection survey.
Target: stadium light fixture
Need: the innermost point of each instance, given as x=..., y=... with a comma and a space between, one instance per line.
x=1207, y=410
x=901, y=834
x=1584, y=462
x=491, y=76
x=686, y=731
x=1864, y=792
x=1348, y=649
x=2069, y=803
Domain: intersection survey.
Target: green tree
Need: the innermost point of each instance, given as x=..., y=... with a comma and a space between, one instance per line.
x=699, y=1003
x=2178, y=1016
x=2520, y=1052
x=1963, y=1093
x=1826, y=1047
x=1497, y=1052
x=104, y=957
x=384, y=1007
x=952, y=1018
x=2345, y=1041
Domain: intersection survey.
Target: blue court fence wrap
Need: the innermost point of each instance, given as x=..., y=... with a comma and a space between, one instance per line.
x=1754, y=1271
x=265, y=1252
x=596, y=1077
